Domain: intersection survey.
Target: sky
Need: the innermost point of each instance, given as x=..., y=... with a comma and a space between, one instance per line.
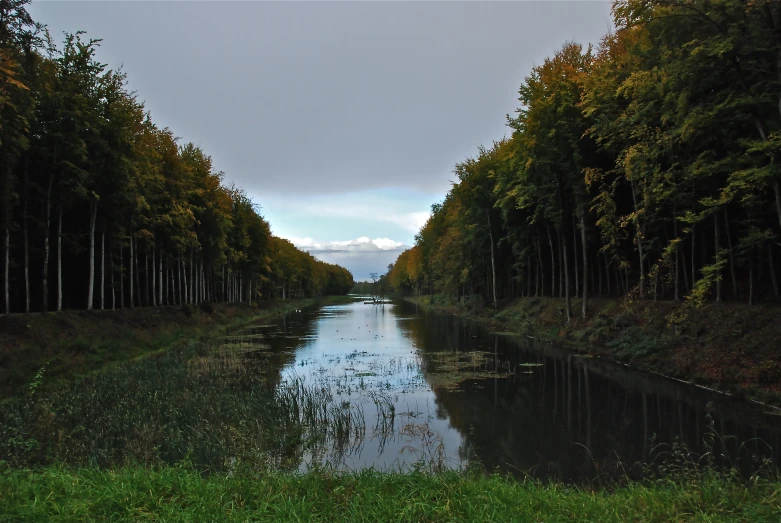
x=343, y=121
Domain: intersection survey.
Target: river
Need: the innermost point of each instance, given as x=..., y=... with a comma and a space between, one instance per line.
x=440, y=391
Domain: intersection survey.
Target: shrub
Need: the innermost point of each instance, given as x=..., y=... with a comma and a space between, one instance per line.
x=634, y=342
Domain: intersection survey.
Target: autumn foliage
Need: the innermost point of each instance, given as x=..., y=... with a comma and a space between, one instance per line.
x=647, y=166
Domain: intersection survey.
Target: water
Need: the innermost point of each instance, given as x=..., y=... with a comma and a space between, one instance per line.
x=440, y=391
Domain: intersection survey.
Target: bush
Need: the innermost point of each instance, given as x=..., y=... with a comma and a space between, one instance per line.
x=634, y=342
x=188, y=310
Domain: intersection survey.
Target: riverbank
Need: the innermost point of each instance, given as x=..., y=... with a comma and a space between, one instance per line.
x=183, y=494
x=729, y=347
x=73, y=342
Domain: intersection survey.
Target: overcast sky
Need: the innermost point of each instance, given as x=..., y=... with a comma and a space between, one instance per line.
x=342, y=120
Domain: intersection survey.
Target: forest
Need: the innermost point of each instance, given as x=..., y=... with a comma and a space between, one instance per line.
x=101, y=208
x=646, y=166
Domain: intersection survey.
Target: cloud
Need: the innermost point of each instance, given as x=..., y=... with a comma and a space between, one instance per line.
x=361, y=256
x=362, y=245
x=409, y=221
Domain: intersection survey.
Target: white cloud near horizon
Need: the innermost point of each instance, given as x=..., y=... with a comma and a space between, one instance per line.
x=361, y=256
x=363, y=244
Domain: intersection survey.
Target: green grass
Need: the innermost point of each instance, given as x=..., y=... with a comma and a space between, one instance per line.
x=73, y=343
x=199, y=399
x=181, y=494
x=199, y=402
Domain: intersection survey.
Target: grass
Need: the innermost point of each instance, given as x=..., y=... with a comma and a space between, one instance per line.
x=212, y=401
x=71, y=342
x=214, y=407
x=180, y=493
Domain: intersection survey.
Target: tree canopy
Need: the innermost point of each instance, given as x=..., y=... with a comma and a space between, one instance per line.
x=111, y=208
x=647, y=166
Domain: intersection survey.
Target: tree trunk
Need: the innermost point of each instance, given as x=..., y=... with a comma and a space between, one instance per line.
x=575, y=254
x=599, y=275
x=154, y=277
x=750, y=281
x=160, y=278
x=528, y=282
x=777, y=192
x=103, y=266
x=111, y=273
x=59, y=259
x=716, y=254
x=563, y=247
x=731, y=255
x=92, y=220
x=694, y=274
x=683, y=267
x=561, y=264
x=772, y=270
x=539, y=288
x=493, y=264
x=46, y=233
x=166, y=281
x=182, y=283
x=607, y=273
x=121, y=275
x=191, y=298
x=138, y=276
x=552, y=265
x=676, y=285
x=584, y=308
x=26, y=244
x=132, y=265
x=7, y=264
x=148, y=280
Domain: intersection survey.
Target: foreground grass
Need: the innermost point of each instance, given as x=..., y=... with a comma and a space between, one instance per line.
x=182, y=494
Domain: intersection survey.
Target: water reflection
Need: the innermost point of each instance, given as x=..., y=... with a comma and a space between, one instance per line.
x=442, y=390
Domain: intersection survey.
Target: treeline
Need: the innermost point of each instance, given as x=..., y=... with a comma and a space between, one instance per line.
x=100, y=208
x=649, y=165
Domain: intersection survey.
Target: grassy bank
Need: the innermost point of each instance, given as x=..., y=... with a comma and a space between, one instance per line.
x=181, y=494
x=73, y=342
x=731, y=347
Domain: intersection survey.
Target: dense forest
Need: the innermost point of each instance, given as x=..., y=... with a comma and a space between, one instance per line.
x=100, y=208
x=647, y=166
